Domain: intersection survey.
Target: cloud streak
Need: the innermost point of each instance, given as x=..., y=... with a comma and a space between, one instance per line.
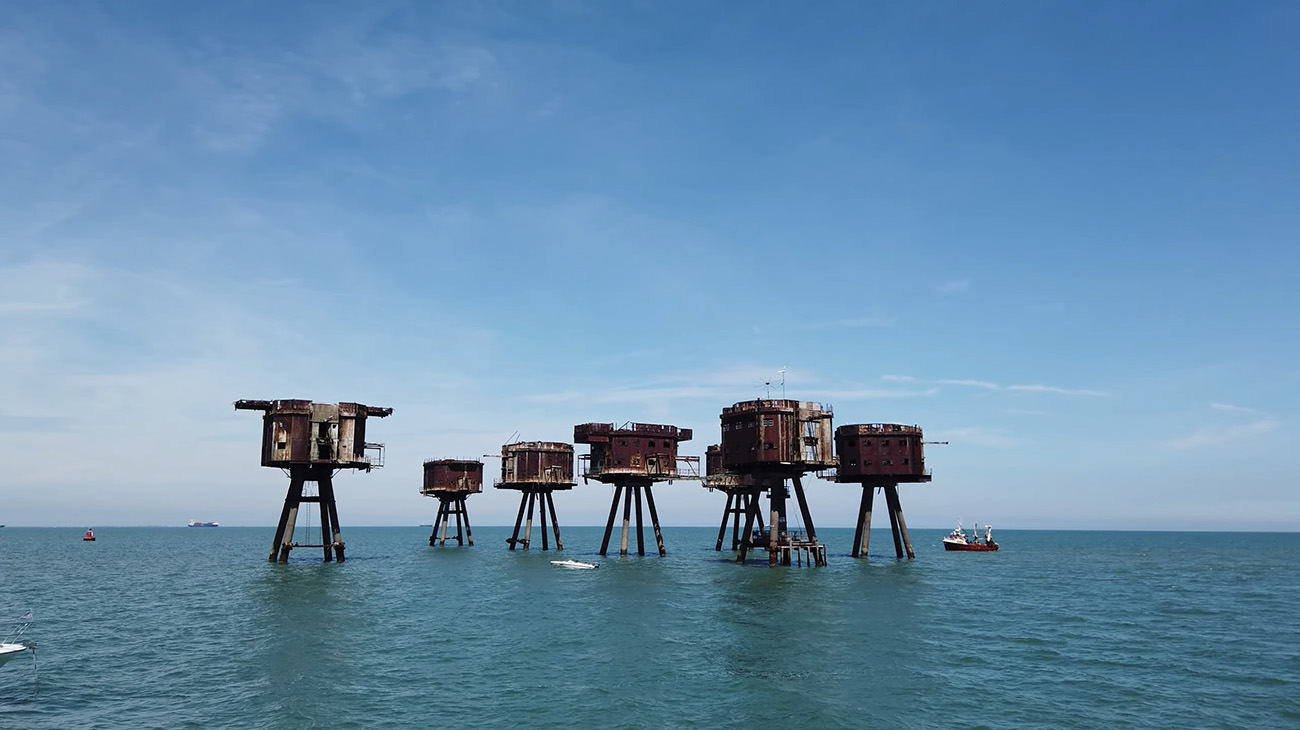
x=726, y=385
x=1220, y=436
x=1054, y=389
x=971, y=383
x=984, y=437
x=1035, y=388
x=869, y=320
x=1232, y=408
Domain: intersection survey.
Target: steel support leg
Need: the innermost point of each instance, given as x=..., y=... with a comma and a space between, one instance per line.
x=555, y=523
x=627, y=519
x=519, y=520
x=899, y=524
x=722, y=531
x=613, y=513
x=528, y=524
x=654, y=520
x=327, y=496
x=640, y=531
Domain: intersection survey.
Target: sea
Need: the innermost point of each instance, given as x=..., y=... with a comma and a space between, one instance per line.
x=175, y=627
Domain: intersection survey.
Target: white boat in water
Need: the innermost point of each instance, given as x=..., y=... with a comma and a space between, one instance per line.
x=196, y=523
x=576, y=564
x=13, y=647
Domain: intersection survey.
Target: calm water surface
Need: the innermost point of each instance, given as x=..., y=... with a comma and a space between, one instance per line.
x=177, y=627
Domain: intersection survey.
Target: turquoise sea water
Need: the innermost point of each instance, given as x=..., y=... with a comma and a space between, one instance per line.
x=177, y=627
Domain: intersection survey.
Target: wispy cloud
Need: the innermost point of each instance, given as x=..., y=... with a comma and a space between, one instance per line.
x=34, y=307
x=869, y=320
x=1232, y=408
x=43, y=287
x=242, y=100
x=972, y=383
x=974, y=436
x=899, y=378
x=870, y=394
x=1054, y=389
x=986, y=385
x=548, y=109
x=1219, y=436
x=726, y=384
x=954, y=287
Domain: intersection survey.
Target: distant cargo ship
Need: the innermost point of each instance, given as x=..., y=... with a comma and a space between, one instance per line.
x=194, y=523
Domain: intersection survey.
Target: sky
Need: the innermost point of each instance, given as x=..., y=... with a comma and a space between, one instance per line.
x=1061, y=237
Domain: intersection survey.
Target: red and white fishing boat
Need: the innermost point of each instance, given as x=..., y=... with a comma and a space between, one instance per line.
x=960, y=541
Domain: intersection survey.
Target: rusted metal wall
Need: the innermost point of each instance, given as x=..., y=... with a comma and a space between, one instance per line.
x=880, y=452
x=302, y=432
x=636, y=449
x=452, y=475
x=781, y=435
x=718, y=477
x=531, y=464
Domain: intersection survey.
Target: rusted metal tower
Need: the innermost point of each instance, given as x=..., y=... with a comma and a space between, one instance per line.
x=737, y=487
x=773, y=441
x=880, y=456
x=312, y=441
x=632, y=458
x=451, y=481
x=536, y=469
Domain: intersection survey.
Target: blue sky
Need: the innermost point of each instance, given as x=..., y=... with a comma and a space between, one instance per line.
x=1060, y=236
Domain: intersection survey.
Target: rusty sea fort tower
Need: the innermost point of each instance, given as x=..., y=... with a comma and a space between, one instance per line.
x=633, y=457
x=313, y=441
x=770, y=442
x=451, y=481
x=536, y=469
x=880, y=456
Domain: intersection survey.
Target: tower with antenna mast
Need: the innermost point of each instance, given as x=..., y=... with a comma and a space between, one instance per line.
x=772, y=442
